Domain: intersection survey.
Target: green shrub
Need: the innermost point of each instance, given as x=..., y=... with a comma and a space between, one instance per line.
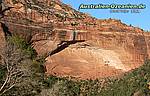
x=24, y=46
x=135, y=81
x=2, y=72
x=131, y=83
x=50, y=81
x=14, y=1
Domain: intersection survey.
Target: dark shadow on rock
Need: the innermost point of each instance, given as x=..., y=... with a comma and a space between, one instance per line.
x=63, y=45
x=6, y=30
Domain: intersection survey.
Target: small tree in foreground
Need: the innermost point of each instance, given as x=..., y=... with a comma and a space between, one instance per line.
x=11, y=58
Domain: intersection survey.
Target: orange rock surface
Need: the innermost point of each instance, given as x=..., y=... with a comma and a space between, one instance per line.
x=103, y=47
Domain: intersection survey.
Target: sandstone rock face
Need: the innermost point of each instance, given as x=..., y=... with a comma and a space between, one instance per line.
x=77, y=44
x=2, y=40
x=109, y=54
x=85, y=63
x=2, y=37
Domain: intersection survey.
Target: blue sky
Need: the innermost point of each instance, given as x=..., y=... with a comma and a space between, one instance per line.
x=141, y=20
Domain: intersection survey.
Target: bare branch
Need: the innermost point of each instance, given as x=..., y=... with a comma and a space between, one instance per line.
x=12, y=60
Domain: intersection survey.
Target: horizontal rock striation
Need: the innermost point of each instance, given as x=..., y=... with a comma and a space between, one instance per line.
x=75, y=43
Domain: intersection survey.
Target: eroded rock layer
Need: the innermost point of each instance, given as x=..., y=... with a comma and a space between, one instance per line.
x=75, y=43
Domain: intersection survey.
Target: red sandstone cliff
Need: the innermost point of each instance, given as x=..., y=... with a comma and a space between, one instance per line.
x=102, y=48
